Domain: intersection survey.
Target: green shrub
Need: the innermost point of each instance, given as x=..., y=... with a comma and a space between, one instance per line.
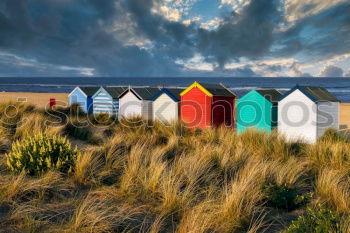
x=316, y=220
x=37, y=154
x=78, y=130
x=283, y=197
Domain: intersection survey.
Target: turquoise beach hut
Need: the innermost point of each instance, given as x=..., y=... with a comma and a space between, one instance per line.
x=83, y=97
x=258, y=110
x=106, y=100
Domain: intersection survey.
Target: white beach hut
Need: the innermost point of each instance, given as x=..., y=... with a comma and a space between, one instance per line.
x=135, y=102
x=305, y=113
x=166, y=105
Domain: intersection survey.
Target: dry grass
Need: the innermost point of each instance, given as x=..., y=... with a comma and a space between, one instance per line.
x=135, y=177
x=333, y=189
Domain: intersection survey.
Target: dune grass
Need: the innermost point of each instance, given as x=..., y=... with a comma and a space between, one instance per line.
x=132, y=176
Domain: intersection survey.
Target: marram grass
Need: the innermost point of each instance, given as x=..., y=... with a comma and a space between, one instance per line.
x=137, y=178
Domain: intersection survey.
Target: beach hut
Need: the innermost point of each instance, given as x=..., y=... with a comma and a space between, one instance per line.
x=106, y=100
x=306, y=112
x=83, y=97
x=166, y=105
x=205, y=105
x=258, y=110
x=136, y=102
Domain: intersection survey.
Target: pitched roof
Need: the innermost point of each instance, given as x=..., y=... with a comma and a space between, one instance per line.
x=115, y=92
x=144, y=93
x=316, y=94
x=271, y=95
x=89, y=91
x=173, y=93
x=211, y=89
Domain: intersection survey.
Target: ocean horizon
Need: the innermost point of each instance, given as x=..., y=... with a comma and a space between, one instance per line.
x=340, y=87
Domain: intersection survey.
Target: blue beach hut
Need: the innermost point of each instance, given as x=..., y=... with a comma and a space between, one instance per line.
x=83, y=97
x=106, y=100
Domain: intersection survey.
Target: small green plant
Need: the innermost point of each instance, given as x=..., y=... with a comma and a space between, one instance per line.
x=78, y=130
x=36, y=154
x=283, y=197
x=317, y=220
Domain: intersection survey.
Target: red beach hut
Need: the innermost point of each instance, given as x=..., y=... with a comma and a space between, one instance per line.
x=207, y=105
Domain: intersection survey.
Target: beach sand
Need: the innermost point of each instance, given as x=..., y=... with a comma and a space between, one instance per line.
x=41, y=100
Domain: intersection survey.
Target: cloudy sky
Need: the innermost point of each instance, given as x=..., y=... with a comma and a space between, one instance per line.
x=268, y=38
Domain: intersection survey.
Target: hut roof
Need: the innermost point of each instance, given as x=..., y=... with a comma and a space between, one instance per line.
x=115, y=92
x=143, y=93
x=316, y=94
x=88, y=91
x=211, y=89
x=173, y=93
x=271, y=95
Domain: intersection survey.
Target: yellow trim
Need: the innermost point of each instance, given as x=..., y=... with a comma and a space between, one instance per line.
x=196, y=84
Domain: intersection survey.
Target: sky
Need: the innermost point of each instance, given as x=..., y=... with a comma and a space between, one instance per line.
x=175, y=38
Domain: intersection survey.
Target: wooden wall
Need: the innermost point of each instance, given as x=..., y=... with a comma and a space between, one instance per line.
x=104, y=103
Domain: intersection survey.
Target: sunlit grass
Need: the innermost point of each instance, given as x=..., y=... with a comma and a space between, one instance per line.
x=132, y=176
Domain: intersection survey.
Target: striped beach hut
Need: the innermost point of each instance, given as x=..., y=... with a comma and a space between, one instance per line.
x=83, y=97
x=136, y=102
x=258, y=110
x=305, y=113
x=205, y=105
x=166, y=105
x=106, y=100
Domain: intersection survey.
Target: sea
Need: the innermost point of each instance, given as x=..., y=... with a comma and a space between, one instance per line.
x=340, y=87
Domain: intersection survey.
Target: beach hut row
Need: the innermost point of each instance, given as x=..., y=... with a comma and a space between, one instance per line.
x=304, y=112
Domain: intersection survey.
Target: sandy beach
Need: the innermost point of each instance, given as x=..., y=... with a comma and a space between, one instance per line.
x=41, y=100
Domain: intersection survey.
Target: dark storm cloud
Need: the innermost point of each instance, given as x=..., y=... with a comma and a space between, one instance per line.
x=322, y=35
x=245, y=71
x=248, y=34
x=332, y=71
x=80, y=33
x=71, y=33
x=347, y=74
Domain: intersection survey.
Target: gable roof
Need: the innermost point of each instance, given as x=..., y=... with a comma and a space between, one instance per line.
x=271, y=95
x=316, y=94
x=88, y=91
x=115, y=92
x=143, y=93
x=210, y=89
x=173, y=93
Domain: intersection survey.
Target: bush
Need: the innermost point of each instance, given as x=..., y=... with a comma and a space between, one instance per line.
x=316, y=220
x=283, y=197
x=78, y=130
x=37, y=154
